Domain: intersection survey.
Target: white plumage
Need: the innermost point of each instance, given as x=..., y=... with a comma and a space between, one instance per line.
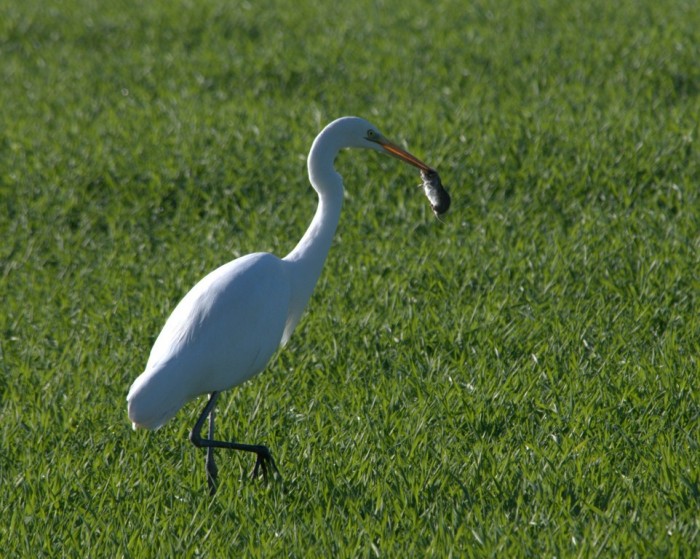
x=226, y=329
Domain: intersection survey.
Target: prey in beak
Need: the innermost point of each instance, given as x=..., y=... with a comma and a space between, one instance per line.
x=432, y=185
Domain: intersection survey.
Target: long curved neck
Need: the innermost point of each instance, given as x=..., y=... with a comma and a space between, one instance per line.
x=306, y=260
x=313, y=247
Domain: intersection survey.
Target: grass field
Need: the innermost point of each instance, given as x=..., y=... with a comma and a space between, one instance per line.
x=518, y=380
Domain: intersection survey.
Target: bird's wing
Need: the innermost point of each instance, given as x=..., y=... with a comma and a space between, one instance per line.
x=223, y=332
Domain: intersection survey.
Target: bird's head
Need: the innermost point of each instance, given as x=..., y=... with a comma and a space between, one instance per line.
x=356, y=132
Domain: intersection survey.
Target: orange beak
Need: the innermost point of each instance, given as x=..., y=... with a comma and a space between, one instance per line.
x=396, y=151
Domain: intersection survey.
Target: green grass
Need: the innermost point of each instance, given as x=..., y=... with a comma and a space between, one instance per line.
x=520, y=380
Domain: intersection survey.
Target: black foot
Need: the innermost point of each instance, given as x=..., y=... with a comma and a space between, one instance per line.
x=265, y=463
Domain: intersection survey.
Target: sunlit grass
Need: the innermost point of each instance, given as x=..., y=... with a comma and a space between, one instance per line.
x=518, y=379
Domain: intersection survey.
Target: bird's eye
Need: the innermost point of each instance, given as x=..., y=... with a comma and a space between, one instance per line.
x=371, y=134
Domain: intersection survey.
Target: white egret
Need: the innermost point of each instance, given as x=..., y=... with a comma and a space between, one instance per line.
x=226, y=329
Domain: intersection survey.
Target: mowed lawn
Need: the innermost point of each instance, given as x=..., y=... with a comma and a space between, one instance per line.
x=516, y=379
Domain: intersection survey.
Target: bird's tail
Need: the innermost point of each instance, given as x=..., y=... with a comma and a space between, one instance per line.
x=152, y=400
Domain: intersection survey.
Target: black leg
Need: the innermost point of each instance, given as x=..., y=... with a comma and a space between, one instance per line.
x=262, y=464
x=210, y=464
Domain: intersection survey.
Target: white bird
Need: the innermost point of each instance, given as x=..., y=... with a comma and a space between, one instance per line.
x=226, y=329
